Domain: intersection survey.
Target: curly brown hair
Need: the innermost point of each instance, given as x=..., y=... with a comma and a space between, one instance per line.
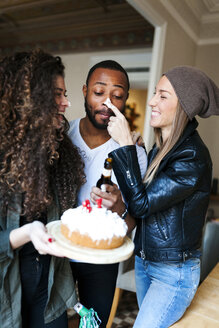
x=37, y=157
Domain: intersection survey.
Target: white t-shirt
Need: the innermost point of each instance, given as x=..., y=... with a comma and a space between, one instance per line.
x=94, y=159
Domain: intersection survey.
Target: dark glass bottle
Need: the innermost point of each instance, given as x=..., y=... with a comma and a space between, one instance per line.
x=106, y=175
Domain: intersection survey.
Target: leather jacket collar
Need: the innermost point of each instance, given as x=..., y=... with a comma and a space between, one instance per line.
x=190, y=128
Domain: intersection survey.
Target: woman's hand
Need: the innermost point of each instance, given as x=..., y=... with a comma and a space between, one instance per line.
x=111, y=198
x=118, y=128
x=42, y=241
x=36, y=232
x=137, y=138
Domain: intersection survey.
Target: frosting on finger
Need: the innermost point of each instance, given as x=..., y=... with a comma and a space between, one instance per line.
x=109, y=104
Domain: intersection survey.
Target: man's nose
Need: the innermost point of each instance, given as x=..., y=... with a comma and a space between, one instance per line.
x=107, y=101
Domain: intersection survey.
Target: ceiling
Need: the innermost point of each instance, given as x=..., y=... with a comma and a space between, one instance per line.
x=199, y=18
x=71, y=25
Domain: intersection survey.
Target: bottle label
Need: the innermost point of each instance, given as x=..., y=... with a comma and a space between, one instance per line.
x=80, y=309
x=103, y=187
x=106, y=172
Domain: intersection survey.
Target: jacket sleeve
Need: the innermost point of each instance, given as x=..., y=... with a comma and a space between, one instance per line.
x=6, y=250
x=178, y=180
x=8, y=222
x=128, y=175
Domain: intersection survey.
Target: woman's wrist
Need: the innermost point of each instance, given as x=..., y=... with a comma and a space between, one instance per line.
x=127, y=142
x=20, y=236
x=124, y=213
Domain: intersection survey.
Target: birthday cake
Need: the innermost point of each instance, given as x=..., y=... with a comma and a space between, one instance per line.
x=93, y=227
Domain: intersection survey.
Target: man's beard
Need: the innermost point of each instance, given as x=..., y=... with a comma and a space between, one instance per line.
x=91, y=117
x=101, y=126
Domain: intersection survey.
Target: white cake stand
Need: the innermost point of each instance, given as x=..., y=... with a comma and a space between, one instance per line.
x=85, y=254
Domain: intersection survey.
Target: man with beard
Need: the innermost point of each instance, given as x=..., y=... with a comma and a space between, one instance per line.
x=105, y=80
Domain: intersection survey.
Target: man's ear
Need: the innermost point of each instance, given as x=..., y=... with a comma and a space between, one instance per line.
x=84, y=90
x=127, y=96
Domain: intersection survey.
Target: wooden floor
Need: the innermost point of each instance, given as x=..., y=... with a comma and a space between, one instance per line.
x=204, y=309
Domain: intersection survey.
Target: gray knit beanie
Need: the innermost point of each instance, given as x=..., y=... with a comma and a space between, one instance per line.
x=197, y=93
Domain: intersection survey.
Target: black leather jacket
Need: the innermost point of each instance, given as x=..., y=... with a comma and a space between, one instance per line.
x=171, y=210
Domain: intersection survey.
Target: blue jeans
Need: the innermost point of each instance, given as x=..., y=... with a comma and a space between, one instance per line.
x=164, y=291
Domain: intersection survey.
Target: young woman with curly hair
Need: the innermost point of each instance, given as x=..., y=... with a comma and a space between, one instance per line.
x=41, y=172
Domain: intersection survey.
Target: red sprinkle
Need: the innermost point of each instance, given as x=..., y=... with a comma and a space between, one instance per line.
x=89, y=208
x=50, y=240
x=87, y=202
x=99, y=202
x=84, y=204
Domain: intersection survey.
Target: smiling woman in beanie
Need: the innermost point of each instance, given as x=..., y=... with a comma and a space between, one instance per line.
x=172, y=201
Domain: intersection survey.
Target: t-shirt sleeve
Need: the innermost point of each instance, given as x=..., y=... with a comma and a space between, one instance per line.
x=142, y=159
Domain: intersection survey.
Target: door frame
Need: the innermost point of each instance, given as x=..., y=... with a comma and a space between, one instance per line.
x=160, y=25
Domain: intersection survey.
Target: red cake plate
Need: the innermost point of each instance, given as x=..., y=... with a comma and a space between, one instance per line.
x=85, y=254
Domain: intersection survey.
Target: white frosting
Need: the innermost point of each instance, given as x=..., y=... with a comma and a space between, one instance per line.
x=109, y=104
x=99, y=224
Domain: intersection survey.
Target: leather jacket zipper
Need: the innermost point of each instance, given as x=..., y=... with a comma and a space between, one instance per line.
x=143, y=257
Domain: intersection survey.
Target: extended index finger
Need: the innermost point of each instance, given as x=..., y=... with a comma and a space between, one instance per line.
x=116, y=111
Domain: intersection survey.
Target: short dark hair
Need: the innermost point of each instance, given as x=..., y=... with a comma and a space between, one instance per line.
x=108, y=64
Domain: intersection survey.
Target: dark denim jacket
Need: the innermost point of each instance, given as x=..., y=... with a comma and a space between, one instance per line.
x=61, y=290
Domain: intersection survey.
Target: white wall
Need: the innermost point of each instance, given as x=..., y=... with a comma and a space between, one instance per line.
x=76, y=67
x=207, y=59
